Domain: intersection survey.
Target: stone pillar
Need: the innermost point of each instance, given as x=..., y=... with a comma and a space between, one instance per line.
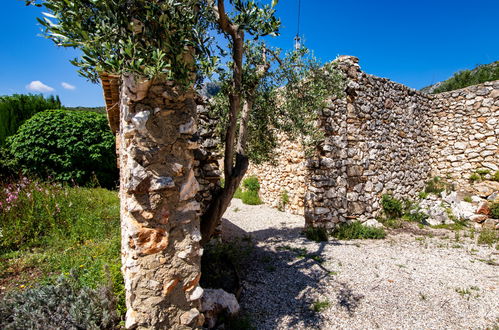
x=160, y=228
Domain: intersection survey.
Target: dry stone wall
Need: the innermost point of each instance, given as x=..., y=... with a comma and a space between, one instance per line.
x=383, y=137
x=466, y=131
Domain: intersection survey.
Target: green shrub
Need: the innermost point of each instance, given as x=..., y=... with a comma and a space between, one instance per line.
x=465, y=78
x=238, y=193
x=317, y=234
x=63, y=305
x=495, y=177
x=251, y=183
x=16, y=109
x=468, y=199
x=68, y=146
x=250, y=197
x=356, y=230
x=392, y=207
x=482, y=171
x=494, y=210
x=284, y=200
x=423, y=195
x=416, y=216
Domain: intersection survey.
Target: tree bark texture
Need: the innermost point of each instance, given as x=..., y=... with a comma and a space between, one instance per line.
x=161, y=252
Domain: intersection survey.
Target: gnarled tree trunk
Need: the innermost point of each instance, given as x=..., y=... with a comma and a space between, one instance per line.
x=160, y=229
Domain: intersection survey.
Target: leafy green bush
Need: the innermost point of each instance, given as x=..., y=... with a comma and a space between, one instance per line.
x=251, y=183
x=16, y=109
x=63, y=305
x=317, y=234
x=495, y=177
x=391, y=206
x=465, y=78
x=494, y=210
x=474, y=177
x=356, y=230
x=68, y=146
x=250, y=197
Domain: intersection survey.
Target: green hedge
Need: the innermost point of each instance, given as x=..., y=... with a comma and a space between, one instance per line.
x=67, y=146
x=465, y=78
x=16, y=109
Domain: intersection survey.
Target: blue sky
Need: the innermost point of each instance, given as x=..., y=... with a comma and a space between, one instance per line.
x=412, y=42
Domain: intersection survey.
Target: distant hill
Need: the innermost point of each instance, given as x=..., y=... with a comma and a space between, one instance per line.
x=480, y=74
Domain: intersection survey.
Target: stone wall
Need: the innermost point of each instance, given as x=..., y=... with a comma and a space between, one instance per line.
x=466, y=131
x=287, y=175
x=383, y=137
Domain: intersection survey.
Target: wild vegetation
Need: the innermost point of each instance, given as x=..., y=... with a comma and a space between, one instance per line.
x=49, y=230
x=17, y=108
x=480, y=74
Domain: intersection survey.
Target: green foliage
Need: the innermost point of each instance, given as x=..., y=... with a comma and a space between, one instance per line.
x=356, y=230
x=68, y=146
x=250, y=197
x=468, y=199
x=63, y=305
x=423, y=195
x=284, y=200
x=251, y=184
x=495, y=177
x=50, y=230
x=238, y=193
x=437, y=185
x=91, y=109
x=292, y=110
x=488, y=237
x=465, y=78
x=317, y=234
x=494, y=210
x=147, y=38
x=482, y=171
x=320, y=306
x=16, y=109
x=474, y=177
x=416, y=215
x=392, y=207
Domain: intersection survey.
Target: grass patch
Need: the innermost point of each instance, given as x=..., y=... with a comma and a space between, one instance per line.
x=320, y=306
x=250, y=197
x=488, y=237
x=55, y=230
x=356, y=230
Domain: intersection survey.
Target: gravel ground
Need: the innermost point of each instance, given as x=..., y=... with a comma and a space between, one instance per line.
x=406, y=281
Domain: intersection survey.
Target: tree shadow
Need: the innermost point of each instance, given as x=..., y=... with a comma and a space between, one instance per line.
x=283, y=279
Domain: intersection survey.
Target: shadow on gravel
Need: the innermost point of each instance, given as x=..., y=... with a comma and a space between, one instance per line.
x=279, y=283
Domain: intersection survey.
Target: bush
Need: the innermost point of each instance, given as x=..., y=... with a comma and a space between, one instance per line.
x=250, y=197
x=356, y=230
x=495, y=177
x=251, y=183
x=16, y=109
x=68, y=146
x=494, y=210
x=317, y=234
x=465, y=78
x=391, y=206
x=63, y=305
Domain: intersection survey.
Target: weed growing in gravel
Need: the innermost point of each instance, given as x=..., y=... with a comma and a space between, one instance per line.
x=467, y=199
x=488, y=237
x=356, y=230
x=320, y=306
x=468, y=292
x=317, y=234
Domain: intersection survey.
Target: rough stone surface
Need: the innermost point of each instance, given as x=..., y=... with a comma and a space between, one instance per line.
x=159, y=220
x=216, y=302
x=383, y=137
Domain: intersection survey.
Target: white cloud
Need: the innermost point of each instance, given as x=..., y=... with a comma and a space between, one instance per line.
x=38, y=86
x=65, y=85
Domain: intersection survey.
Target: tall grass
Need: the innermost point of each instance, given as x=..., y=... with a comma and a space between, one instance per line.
x=52, y=229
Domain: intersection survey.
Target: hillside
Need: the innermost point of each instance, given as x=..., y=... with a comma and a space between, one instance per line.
x=480, y=74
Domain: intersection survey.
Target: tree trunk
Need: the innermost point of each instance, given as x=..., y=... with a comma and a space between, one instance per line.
x=160, y=229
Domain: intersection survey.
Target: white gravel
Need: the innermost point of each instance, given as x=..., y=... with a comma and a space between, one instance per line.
x=405, y=281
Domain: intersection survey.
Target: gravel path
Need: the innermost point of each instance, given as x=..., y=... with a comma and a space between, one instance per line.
x=405, y=281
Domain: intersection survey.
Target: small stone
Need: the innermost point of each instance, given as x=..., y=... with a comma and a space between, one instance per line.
x=189, y=317
x=479, y=218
